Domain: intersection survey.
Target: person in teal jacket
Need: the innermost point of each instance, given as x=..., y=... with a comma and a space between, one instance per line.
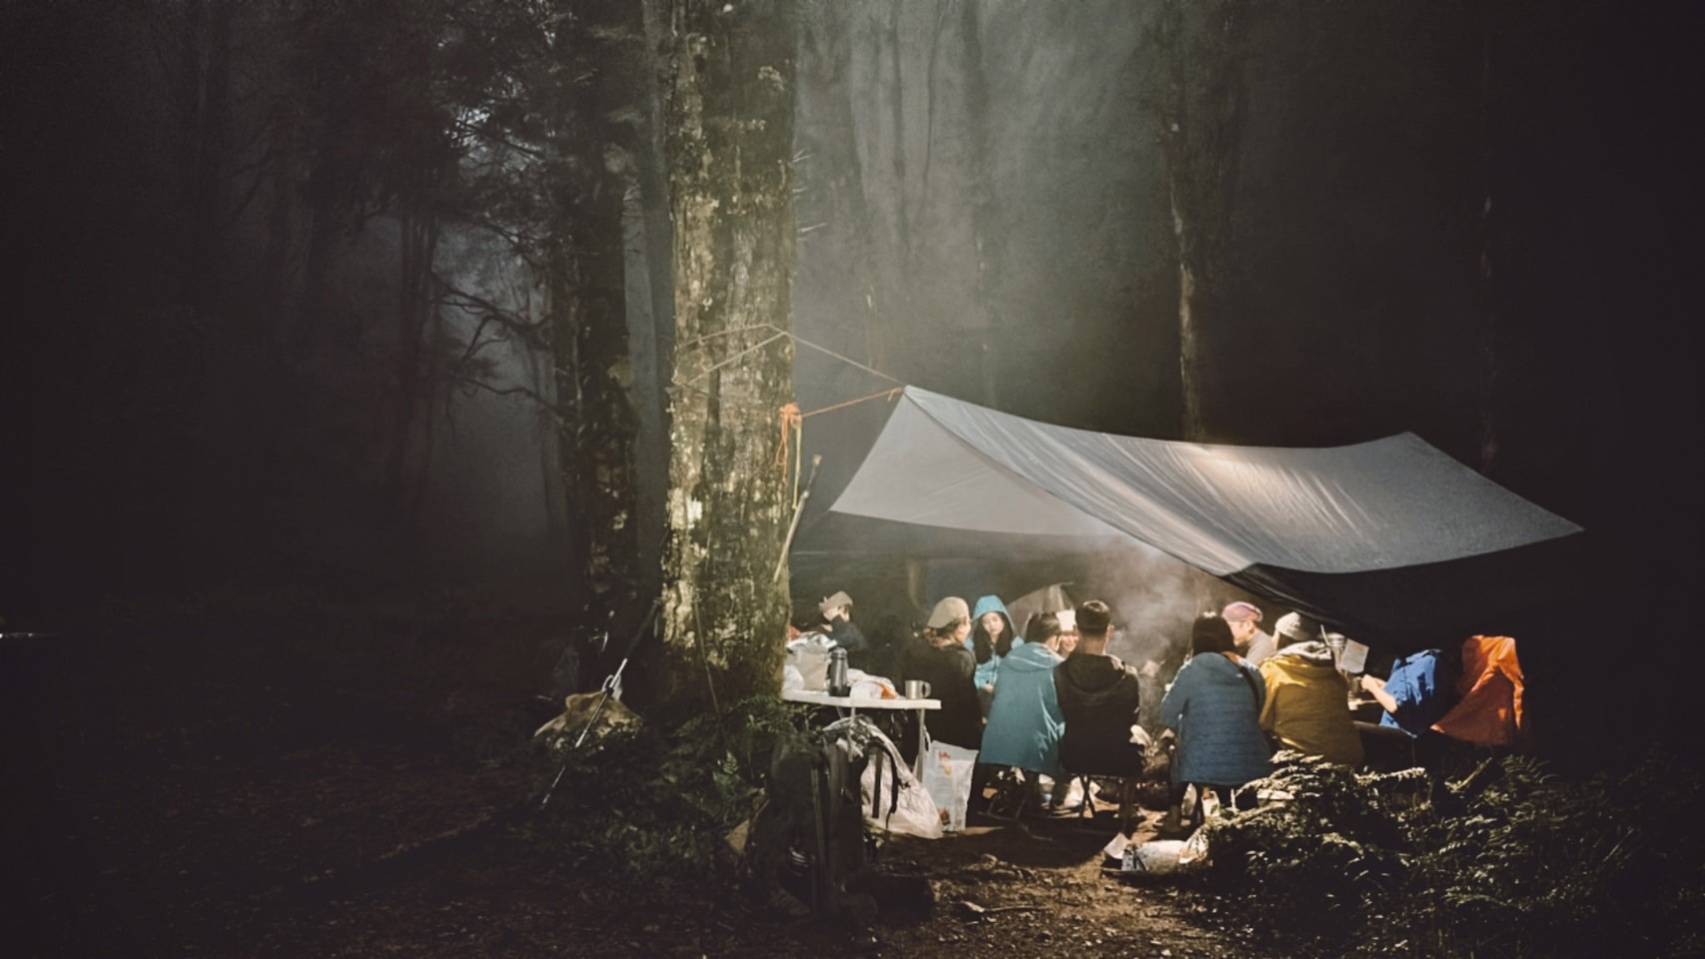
x=992, y=637
x=1025, y=722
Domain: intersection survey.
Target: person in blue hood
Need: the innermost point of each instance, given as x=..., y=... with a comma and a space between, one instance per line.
x=1025, y=722
x=991, y=638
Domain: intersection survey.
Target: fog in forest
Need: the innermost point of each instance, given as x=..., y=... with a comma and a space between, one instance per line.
x=286, y=329
x=379, y=373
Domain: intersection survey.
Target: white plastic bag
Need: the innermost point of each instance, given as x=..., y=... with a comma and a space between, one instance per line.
x=1156, y=858
x=809, y=654
x=1195, y=851
x=947, y=777
x=1169, y=857
x=912, y=814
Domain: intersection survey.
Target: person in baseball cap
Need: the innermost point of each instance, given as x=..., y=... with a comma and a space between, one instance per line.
x=1254, y=644
x=939, y=656
x=949, y=612
x=837, y=624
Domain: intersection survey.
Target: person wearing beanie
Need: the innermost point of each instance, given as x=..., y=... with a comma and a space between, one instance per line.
x=1307, y=707
x=939, y=656
x=1253, y=644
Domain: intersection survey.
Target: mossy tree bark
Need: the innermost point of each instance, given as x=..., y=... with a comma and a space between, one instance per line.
x=730, y=134
x=598, y=126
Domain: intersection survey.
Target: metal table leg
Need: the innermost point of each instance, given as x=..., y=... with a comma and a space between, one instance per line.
x=918, y=763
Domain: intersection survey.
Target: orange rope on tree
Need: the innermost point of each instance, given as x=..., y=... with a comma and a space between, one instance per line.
x=791, y=420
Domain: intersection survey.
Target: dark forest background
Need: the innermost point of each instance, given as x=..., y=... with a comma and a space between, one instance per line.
x=359, y=299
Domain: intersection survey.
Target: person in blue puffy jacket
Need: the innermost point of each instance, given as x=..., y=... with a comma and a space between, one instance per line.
x=1215, y=707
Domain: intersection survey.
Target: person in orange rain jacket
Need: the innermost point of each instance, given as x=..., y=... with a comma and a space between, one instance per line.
x=1490, y=712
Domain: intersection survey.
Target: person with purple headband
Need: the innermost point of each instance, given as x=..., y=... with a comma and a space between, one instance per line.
x=1253, y=644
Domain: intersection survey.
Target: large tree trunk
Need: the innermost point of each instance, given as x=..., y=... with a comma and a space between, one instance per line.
x=417, y=314
x=987, y=239
x=730, y=125
x=608, y=445
x=1200, y=105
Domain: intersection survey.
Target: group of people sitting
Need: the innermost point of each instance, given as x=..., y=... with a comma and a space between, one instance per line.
x=1242, y=695
x=1055, y=702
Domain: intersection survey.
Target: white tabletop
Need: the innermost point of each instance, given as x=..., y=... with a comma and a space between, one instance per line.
x=821, y=698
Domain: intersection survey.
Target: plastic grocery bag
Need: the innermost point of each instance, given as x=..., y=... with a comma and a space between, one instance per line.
x=898, y=803
x=947, y=777
x=809, y=654
x=1167, y=857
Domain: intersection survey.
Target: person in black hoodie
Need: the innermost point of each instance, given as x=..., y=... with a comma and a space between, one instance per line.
x=1099, y=697
x=837, y=623
x=940, y=657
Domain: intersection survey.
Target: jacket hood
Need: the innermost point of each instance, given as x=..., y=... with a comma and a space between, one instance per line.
x=1313, y=654
x=989, y=604
x=1031, y=657
x=1091, y=674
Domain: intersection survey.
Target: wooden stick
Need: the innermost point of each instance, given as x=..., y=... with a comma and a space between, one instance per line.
x=798, y=511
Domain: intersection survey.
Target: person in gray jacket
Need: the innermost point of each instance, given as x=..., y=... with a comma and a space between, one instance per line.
x=1253, y=643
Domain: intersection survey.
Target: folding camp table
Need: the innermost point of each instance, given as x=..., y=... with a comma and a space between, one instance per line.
x=849, y=705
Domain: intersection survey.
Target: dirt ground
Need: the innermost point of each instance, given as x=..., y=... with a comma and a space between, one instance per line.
x=219, y=815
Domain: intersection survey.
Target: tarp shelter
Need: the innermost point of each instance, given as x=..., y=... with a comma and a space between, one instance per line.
x=1390, y=538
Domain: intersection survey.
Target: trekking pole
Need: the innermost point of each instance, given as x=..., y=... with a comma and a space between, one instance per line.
x=798, y=511
x=612, y=687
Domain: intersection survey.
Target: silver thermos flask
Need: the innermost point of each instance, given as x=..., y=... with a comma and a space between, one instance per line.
x=838, y=684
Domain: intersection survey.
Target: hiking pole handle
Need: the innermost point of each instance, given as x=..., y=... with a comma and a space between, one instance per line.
x=611, y=687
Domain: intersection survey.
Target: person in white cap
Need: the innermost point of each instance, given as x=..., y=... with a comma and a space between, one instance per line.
x=1068, y=631
x=938, y=656
x=837, y=624
x=1253, y=644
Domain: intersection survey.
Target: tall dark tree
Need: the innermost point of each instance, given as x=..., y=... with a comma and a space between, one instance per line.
x=1199, y=100
x=730, y=126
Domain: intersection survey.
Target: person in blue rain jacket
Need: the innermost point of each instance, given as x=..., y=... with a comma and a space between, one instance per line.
x=1025, y=722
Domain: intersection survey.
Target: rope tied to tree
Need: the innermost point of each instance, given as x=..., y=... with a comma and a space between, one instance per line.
x=791, y=421
x=888, y=394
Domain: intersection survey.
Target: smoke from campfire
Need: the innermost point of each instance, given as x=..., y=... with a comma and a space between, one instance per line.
x=1154, y=598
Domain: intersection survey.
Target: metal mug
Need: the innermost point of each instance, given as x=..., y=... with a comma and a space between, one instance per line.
x=917, y=689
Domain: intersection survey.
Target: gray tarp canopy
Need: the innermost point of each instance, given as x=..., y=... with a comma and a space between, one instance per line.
x=1374, y=535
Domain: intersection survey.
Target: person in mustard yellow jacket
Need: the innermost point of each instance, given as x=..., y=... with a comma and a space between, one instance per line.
x=1307, y=707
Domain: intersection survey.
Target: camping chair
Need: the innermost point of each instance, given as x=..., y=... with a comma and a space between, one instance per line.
x=1127, y=793
x=1012, y=796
